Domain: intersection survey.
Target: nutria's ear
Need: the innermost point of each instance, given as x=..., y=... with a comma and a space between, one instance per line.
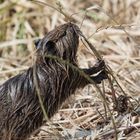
x=50, y=47
x=36, y=42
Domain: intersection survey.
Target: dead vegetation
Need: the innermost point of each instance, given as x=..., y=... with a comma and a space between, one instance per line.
x=113, y=26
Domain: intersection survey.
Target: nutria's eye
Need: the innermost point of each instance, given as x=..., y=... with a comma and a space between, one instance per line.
x=50, y=46
x=36, y=42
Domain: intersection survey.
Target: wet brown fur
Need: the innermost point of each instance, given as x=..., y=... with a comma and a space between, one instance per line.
x=20, y=111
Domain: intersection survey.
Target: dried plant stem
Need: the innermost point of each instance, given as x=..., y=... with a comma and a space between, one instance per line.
x=110, y=72
x=103, y=103
x=69, y=18
x=38, y=93
x=98, y=56
x=112, y=88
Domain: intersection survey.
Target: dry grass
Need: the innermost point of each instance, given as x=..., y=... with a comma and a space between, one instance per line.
x=113, y=26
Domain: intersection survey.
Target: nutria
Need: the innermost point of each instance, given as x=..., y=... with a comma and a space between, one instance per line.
x=20, y=110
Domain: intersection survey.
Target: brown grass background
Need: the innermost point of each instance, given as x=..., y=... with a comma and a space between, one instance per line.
x=113, y=27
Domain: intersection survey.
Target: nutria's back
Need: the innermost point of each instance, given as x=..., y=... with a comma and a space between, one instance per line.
x=54, y=81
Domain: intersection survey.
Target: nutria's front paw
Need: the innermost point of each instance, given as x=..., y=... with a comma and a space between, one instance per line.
x=100, y=77
x=100, y=65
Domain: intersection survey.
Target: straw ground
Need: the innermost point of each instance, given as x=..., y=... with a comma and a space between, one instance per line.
x=113, y=26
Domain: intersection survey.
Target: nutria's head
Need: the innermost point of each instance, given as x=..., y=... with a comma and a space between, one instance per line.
x=61, y=42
